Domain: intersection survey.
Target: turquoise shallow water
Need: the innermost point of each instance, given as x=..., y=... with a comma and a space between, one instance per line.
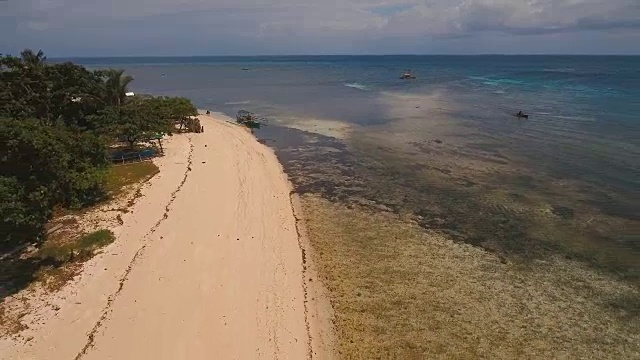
x=584, y=110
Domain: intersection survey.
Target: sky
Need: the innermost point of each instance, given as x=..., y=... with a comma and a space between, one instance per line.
x=291, y=27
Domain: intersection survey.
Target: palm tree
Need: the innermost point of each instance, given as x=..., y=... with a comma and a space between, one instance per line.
x=116, y=84
x=31, y=59
x=35, y=83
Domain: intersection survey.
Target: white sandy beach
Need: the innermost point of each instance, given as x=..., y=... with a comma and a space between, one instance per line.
x=207, y=264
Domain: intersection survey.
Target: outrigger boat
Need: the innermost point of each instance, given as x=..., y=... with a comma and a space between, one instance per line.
x=408, y=75
x=248, y=119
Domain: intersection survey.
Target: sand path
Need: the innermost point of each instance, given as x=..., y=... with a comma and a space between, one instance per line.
x=207, y=266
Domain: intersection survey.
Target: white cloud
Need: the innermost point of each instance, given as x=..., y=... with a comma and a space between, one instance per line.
x=462, y=17
x=347, y=21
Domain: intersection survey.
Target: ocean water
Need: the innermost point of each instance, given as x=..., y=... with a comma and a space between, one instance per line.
x=583, y=127
x=599, y=90
x=592, y=93
x=589, y=106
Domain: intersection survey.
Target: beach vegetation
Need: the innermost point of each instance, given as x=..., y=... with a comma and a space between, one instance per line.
x=79, y=247
x=131, y=122
x=44, y=166
x=58, y=122
x=178, y=110
x=54, y=263
x=54, y=94
x=121, y=176
x=116, y=86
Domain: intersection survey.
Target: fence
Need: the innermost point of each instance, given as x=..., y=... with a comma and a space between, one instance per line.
x=123, y=158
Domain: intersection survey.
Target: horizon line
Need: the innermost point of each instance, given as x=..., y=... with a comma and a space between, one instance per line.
x=321, y=55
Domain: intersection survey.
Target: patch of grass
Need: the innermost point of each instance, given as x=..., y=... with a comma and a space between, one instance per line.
x=64, y=259
x=52, y=266
x=96, y=239
x=82, y=246
x=55, y=263
x=401, y=292
x=120, y=176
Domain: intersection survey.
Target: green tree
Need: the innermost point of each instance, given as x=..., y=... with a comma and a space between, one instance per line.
x=66, y=93
x=24, y=86
x=176, y=109
x=56, y=121
x=116, y=86
x=132, y=122
x=43, y=166
x=75, y=93
x=29, y=58
x=49, y=154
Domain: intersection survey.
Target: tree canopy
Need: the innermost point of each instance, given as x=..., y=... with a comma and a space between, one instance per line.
x=49, y=93
x=134, y=121
x=173, y=108
x=116, y=84
x=57, y=122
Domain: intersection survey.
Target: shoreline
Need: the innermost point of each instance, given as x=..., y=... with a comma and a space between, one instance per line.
x=334, y=255
x=162, y=268
x=319, y=312
x=393, y=236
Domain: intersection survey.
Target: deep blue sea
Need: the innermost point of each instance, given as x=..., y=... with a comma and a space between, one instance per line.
x=584, y=110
